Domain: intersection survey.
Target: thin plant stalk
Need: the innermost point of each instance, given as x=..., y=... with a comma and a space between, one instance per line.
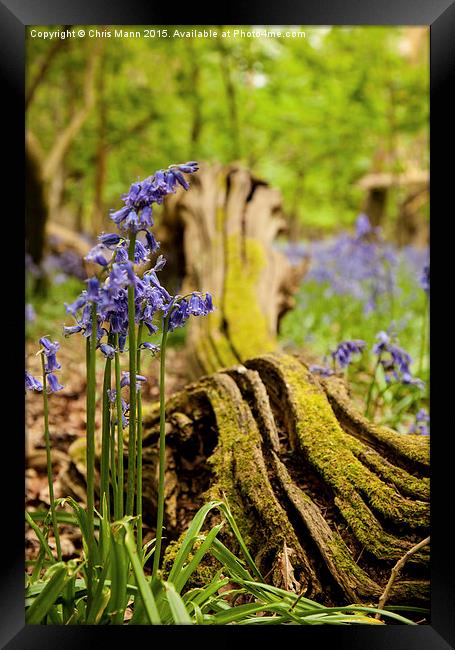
x=120, y=471
x=90, y=456
x=379, y=394
x=105, y=442
x=133, y=396
x=113, y=465
x=139, y=445
x=162, y=452
x=370, y=390
x=49, y=462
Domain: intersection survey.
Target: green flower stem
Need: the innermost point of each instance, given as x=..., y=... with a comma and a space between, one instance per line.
x=120, y=471
x=91, y=404
x=162, y=455
x=133, y=396
x=113, y=465
x=49, y=461
x=379, y=394
x=139, y=445
x=370, y=390
x=105, y=443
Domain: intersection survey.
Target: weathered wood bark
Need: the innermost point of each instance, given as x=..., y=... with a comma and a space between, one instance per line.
x=306, y=475
x=327, y=501
x=226, y=226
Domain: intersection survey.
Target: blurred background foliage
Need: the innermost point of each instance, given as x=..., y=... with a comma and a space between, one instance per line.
x=312, y=116
x=337, y=121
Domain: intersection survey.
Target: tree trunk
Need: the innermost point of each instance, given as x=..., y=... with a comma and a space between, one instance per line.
x=101, y=155
x=308, y=478
x=36, y=208
x=223, y=230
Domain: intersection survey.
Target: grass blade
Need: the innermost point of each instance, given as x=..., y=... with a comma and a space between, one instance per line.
x=142, y=583
x=177, y=606
x=185, y=574
x=190, y=537
x=43, y=603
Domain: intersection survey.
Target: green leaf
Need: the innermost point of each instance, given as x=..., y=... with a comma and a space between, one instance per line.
x=119, y=575
x=190, y=537
x=43, y=603
x=177, y=606
x=188, y=570
x=40, y=536
x=142, y=583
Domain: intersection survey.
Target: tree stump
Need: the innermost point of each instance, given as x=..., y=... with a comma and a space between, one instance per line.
x=326, y=500
x=225, y=227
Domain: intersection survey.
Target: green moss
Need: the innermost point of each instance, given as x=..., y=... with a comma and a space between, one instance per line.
x=412, y=447
x=247, y=325
x=327, y=448
x=405, y=482
x=241, y=475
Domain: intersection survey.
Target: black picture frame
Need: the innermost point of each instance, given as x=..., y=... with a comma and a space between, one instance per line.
x=439, y=15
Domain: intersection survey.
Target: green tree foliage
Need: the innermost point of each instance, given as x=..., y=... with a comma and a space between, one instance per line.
x=311, y=115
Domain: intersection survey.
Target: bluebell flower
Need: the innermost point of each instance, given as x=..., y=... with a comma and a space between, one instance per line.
x=196, y=305
x=125, y=381
x=209, y=302
x=96, y=256
x=140, y=253
x=189, y=167
x=321, y=370
x=146, y=218
x=31, y=383
x=344, y=351
x=136, y=215
x=152, y=244
x=395, y=361
x=154, y=349
x=107, y=350
x=110, y=239
x=160, y=263
x=74, y=307
x=52, y=384
x=50, y=349
x=179, y=315
x=121, y=254
x=120, y=215
x=73, y=329
x=420, y=425
x=93, y=289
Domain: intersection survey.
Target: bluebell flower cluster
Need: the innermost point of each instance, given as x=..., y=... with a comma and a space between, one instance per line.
x=395, y=361
x=32, y=383
x=112, y=395
x=421, y=424
x=49, y=350
x=361, y=265
x=341, y=357
x=136, y=215
x=109, y=290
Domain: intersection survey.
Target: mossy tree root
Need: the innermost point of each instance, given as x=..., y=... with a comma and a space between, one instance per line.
x=323, y=508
